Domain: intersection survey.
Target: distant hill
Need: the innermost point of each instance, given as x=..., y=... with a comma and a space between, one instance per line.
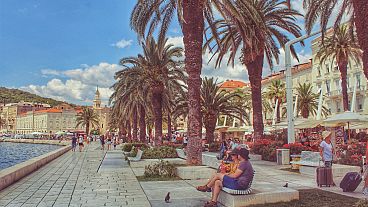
x=15, y=95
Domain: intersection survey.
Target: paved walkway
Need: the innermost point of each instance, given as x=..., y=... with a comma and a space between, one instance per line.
x=78, y=179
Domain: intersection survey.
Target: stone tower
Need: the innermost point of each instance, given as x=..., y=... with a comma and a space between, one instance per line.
x=97, y=100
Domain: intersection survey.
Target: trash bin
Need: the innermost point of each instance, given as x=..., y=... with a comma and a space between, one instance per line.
x=283, y=156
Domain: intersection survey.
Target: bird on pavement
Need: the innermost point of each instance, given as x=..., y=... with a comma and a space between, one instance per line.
x=286, y=185
x=167, y=198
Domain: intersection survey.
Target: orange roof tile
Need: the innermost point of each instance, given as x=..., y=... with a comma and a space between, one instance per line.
x=233, y=84
x=49, y=111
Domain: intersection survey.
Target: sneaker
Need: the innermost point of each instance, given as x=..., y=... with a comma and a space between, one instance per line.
x=365, y=191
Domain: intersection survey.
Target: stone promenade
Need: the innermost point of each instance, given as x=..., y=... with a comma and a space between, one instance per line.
x=89, y=178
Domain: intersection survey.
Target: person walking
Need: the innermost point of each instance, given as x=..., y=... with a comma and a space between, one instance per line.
x=102, y=141
x=74, y=142
x=115, y=142
x=81, y=143
x=109, y=143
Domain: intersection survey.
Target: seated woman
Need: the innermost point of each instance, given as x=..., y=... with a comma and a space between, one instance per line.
x=233, y=166
x=240, y=180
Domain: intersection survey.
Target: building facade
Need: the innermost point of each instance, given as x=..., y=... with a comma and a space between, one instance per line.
x=326, y=76
x=10, y=112
x=47, y=121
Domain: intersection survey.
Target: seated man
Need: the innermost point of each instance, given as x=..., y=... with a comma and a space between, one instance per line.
x=240, y=180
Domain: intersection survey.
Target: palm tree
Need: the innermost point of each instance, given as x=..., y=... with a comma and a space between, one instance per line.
x=324, y=10
x=340, y=47
x=308, y=101
x=214, y=102
x=191, y=15
x=276, y=92
x=256, y=32
x=2, y=123
x=87, y=118
x=158, y=70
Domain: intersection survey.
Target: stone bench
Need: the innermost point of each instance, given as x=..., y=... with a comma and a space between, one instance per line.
x=259, y=195
x=181, y=153
x=137, y=157
x=195, y=172
x=145, y=162
x=337, y=170
x=308, y=158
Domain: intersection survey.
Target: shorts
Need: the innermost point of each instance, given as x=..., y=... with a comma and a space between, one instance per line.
x=80, y=144
x=74, y=145
x=108, y=142
x=231, y=183
x=328, y=163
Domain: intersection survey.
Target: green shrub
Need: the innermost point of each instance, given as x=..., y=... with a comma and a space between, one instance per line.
x=159, y=153
x=161, y=169
x=362, y=203
x=128, y=146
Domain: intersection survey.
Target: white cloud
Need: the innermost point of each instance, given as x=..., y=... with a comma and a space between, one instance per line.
x=176, y=41
x=79, y=85
x=49, y=72
x=123, y=43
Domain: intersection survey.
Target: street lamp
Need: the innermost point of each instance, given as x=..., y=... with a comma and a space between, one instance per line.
x=289, y=85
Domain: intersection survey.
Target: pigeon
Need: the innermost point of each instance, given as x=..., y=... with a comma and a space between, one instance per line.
x=167, y=198
x=286, y=185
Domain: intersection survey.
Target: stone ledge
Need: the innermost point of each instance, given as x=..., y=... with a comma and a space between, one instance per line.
x=39, y=141
x=12, y=174
x=195, y=172
x=337, y=170
x=278, y=194
x=211, y=160
x=144, y=162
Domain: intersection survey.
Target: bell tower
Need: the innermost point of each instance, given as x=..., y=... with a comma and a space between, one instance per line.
x=97, y=100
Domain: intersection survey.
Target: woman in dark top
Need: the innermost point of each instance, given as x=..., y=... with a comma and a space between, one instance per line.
x=240, y=180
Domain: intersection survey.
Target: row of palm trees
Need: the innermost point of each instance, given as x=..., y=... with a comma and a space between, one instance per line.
x=253, y=29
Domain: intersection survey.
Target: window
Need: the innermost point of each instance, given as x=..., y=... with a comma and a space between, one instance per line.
x=358, y=80
x=328, y=89
x=327, y=68
x=338, y=85
x=319, y=86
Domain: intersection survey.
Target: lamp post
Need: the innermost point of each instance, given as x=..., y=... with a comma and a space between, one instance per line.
x=289, y=85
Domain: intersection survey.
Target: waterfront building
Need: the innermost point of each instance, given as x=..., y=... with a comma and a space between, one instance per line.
x=327, y=77
x=10, y=112
x=47, y=121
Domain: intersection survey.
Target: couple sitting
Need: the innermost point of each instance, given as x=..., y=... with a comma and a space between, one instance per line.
x=241, y=179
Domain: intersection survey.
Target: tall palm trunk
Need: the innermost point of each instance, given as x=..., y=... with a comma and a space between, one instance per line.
x=135, y=124
x=255, y=77
x=193, y=28
x=278, y=119
x=157, y=112
x=169, y=124
x=361, y=24
x=142, y=124
x=210, y=125
x=87, y=128
x=343, y=67
x=129, y=129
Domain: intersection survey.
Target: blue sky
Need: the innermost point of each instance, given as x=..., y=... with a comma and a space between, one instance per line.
x=64, y=49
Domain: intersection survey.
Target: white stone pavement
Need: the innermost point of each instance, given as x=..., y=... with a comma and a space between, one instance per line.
x=78, y=179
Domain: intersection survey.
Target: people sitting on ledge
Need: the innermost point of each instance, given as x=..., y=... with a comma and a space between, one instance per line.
x=241, y=179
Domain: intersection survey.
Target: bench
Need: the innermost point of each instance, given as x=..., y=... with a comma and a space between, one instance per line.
x=258, y=195
x=181, y=154
x=308, y=158
x=131, y=151
x=136, y=158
